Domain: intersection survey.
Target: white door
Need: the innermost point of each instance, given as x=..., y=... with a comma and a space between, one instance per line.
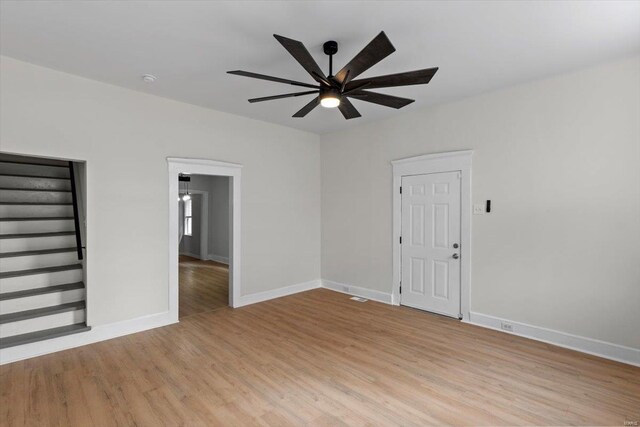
x=430, y=242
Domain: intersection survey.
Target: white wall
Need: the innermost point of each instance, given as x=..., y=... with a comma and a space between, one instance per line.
x=560, y=160
x=125, y=137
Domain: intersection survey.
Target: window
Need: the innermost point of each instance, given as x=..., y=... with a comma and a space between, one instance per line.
x=188, y=217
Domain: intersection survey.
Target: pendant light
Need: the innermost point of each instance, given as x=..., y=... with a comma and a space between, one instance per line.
x=186, y=196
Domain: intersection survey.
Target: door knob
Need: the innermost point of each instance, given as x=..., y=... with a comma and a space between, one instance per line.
x=456, y=256
x=455, y=246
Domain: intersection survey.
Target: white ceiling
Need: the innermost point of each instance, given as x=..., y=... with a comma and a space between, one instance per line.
x=479, y=46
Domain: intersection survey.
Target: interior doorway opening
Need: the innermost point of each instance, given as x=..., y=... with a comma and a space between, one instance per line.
x=214, y=258
x=204, y=224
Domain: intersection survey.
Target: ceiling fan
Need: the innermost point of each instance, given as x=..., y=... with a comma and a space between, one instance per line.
x=333, y=91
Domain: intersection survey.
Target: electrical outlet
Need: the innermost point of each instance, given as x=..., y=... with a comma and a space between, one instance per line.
x=478, y=209
x=506, y=326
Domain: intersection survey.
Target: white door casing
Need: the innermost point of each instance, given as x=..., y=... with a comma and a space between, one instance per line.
x=430, y=164
x=430, y=272
x=205, y=167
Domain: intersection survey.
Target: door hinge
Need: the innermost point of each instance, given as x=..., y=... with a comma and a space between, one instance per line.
x=400, y=239
x=400, y=287
x=400, y=190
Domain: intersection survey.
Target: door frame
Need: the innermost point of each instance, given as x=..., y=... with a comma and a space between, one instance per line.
x=179, y=165
x=426, y=164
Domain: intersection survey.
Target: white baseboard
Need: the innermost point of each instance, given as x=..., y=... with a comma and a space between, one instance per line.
x=592, y=346
x=218, y=258
x=384, y=297
x=210, y=257
x=196, y=256
x=277, y=293
x=97, y=333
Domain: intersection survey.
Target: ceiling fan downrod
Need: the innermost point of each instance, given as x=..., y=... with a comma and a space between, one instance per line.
x=330, y=48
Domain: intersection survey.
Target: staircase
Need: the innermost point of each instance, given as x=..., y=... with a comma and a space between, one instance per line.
x=42, y=293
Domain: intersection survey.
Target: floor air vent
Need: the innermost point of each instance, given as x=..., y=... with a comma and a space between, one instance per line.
x=359, y=299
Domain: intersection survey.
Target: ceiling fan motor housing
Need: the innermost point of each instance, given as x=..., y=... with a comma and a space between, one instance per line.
x=330, y=47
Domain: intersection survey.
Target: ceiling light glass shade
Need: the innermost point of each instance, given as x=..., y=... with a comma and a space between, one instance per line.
x=186, y=197
x=330, y=99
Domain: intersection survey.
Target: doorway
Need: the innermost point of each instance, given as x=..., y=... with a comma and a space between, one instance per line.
x=204, y=223
x=432, y=233
x=199, y=259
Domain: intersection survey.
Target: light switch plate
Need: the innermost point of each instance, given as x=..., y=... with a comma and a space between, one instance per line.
x=478, y=209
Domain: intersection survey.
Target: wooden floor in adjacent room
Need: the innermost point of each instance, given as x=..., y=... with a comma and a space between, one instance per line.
x=318, y=358
x=203, y=285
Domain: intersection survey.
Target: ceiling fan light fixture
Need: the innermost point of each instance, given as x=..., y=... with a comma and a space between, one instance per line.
x=330, y=99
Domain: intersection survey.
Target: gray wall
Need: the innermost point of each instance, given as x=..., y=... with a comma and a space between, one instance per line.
x=217, y=188
x=219, y=217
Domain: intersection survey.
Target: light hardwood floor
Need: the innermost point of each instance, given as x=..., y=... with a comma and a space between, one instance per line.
x=317, y=358
x=203, y=286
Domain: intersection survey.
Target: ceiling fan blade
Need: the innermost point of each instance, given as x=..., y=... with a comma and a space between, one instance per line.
x=270, y=78
x=381, y=99
x=417, y=77
x=307, y=108
x=377, y=49
x=347, y=109
x=321, y=79
x=286, y=95
x=304, y=58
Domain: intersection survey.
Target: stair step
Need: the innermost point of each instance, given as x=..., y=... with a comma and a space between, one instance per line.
x=37, y=241
x=34, y=176
x=37, y=170
x=29, y=163
x=37, y=319
x=40, y=312
x=33, y=271
x=36, y=218
x=33, y=183
x=40, y=258
x=41, y=280
x=51, y=190
x=37, y=225
x=29, y=160
x=12, y=211
x=37, y=252
x=32, y=235
x=29, y=196
x=34, y=298
x=43, y=335
x=41, y=291
x=35, y=203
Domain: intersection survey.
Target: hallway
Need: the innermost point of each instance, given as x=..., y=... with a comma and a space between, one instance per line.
x=204, y=286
